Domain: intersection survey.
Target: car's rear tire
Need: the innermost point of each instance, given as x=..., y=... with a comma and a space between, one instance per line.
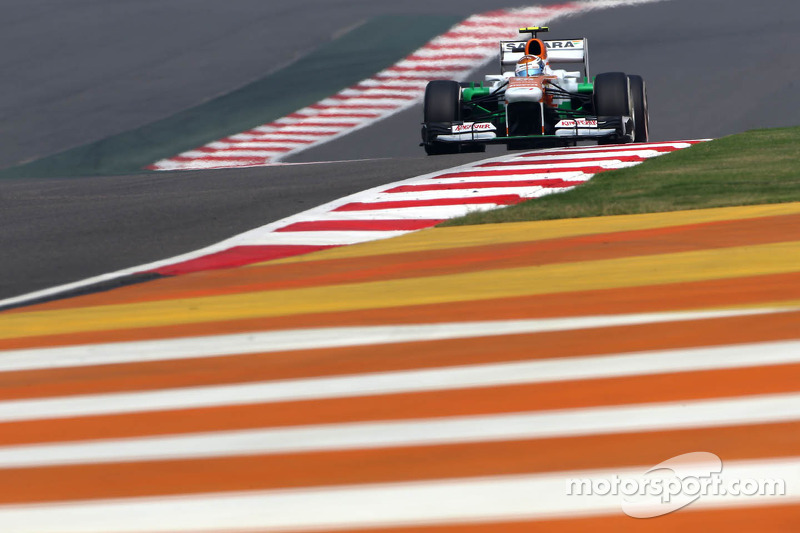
x=612, y=97
x=442, y=104
x=641, y=116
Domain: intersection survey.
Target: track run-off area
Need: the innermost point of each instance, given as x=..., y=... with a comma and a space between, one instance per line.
x=355, y=368
x=449, y=376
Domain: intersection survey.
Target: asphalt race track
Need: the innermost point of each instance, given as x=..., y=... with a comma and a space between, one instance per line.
x=86, y=70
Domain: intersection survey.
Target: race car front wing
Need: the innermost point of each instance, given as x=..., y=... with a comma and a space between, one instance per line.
x=588, y=128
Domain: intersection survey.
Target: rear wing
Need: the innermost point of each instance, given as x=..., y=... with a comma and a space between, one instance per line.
x=558, y=51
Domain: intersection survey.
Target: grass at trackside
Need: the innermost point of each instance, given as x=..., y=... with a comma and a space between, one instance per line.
x=756, y=167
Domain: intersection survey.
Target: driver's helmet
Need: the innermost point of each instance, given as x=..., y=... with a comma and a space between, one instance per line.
x=529, y=66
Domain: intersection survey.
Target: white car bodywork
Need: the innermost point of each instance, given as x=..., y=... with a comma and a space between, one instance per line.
x=558, y=51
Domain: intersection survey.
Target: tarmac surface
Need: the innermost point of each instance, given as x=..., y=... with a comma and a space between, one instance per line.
x=86, y=70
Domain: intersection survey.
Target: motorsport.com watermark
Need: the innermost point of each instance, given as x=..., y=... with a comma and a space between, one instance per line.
x=673, y=484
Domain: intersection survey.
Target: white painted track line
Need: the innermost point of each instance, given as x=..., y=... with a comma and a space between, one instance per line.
x=411, y=504
x=745, y=410
x=381, y=383
x=320, y=338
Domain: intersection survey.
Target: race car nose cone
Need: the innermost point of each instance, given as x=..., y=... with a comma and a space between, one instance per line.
x=523, y=94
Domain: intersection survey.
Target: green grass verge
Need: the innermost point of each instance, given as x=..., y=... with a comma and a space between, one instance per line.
x=756, y=167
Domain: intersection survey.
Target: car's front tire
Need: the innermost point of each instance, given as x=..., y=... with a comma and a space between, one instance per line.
x=612, y=97
x=442, y=104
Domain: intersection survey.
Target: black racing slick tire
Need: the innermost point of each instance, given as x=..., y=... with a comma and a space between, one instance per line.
x=612, y=97
x=442, y=104
x=442, y=101
x=612, y=94
x=641, y=115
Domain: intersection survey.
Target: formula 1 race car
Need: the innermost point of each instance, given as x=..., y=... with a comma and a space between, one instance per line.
x=531, y=105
